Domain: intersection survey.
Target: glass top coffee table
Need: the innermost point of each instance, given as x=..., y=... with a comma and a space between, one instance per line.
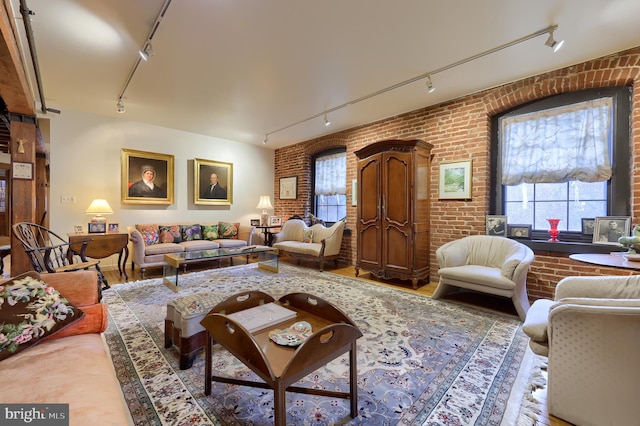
x=175, y=262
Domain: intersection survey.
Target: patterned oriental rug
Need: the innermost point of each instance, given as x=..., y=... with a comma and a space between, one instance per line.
x=420, y=361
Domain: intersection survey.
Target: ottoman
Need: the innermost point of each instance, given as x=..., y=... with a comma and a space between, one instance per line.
x=182, y=324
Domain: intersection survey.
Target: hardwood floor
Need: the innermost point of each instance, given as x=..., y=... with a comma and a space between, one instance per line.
x=499, y=304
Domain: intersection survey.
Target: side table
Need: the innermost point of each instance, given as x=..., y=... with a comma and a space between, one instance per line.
x=267, y=230
x=281, y=366
x=102, y=246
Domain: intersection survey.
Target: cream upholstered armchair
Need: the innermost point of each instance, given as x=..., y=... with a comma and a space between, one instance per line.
x=590, y=333
x=494, y=265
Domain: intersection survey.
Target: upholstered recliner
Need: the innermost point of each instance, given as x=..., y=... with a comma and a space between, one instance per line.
x=590, y=333
x=494, y=265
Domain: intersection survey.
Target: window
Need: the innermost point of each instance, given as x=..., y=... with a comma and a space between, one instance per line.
x=565, y=157
x=330, y=185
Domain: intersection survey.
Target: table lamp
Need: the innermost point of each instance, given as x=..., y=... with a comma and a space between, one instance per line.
x=99, y=207
x=264, y=204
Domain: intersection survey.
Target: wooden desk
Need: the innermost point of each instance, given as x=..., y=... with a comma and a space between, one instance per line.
x=281, y=366
x=610, y=260
x=103, y=245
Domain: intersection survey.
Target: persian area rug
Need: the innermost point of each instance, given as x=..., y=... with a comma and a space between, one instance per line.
x=420, y=361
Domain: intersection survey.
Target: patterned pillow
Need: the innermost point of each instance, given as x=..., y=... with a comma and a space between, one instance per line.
x=228, y=230
x=170, y=234
x=191, y=232
x=307, y=237
x=150, y=234
x=30, y=310
x=210, y=232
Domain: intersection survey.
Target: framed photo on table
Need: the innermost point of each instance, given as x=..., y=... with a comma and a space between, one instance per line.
x=519, y=231
x=455, y=180
x=113, y=227
x=97, y=227
x=146, y=177
x=607, y=229
x=275, y=220
x=289, y=188
x=496, y=225
x=212, y=182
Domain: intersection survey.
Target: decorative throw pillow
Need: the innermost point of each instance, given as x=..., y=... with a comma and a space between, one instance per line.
x=210, y=232
x=30, y=310
x=307, y=236
x=228, y=230
x=191, y=232
x=150, y=234
x=170, y=234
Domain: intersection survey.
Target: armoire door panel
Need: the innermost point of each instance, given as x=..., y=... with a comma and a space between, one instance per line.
x=395, y=188
x=369, y=191
x=398, y=249
x=369, y=242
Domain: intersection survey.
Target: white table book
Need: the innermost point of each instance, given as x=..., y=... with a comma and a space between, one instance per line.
x=263, y=316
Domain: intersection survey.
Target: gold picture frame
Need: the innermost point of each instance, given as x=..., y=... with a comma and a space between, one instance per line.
x=455, y=180
x=207, y=193
x=133, y=165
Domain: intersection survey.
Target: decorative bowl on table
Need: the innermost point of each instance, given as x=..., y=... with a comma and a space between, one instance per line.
x=292, y=336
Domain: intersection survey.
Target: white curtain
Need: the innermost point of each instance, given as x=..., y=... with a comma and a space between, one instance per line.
x=331, y=174
x=558, y=145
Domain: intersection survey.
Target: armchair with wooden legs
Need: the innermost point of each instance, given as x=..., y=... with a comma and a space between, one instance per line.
x=50, y=253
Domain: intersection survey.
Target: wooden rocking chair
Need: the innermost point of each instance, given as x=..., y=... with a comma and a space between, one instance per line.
x=48, y=252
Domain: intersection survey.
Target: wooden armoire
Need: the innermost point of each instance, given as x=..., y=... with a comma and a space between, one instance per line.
x=393, y=209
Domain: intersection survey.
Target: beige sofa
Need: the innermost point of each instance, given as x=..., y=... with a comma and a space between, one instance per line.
x=73, y=366
x=322, y=243
x=148, y=251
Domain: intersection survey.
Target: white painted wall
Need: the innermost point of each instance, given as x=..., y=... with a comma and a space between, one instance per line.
x=85, y=163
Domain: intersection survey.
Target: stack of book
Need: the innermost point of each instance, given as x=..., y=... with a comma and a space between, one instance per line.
x=263, y=316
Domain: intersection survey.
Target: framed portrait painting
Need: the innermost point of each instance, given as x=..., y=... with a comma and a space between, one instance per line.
x=455, y=180
x=212, y=182
x=607, y=229
x=146, y=177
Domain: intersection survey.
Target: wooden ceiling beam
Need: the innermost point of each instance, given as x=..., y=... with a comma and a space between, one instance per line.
x=14, y=83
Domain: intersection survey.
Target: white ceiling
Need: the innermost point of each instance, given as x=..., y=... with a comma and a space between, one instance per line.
x=239, y=69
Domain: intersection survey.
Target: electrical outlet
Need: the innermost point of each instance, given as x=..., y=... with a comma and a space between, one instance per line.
x=67, y=199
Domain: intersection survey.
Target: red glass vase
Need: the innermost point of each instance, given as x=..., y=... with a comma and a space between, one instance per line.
x=554, y=230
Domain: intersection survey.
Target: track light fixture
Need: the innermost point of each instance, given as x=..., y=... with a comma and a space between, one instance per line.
x=147, y=52
x=266, y=139
x=550, y=42
x=555, y=45
x=144, y=54
x=430, y=89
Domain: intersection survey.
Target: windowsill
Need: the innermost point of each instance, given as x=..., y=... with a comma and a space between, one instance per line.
x=571, y=247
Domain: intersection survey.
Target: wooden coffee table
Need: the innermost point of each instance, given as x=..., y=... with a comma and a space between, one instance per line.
x=281, y=366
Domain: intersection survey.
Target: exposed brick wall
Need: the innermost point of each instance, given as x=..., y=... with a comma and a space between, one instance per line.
x=460, y=130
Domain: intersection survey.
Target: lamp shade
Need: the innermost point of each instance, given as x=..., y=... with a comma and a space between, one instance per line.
x=99, y=207
x=264, y=203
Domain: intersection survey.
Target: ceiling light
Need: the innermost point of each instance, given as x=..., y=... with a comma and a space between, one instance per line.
x=326, y=120
x=120, y=109
x=147, y=52
x=430, y=85
x=266, y=139
x=555, y=45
